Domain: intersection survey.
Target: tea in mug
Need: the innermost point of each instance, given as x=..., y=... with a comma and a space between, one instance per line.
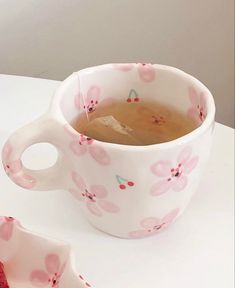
x=140, y=123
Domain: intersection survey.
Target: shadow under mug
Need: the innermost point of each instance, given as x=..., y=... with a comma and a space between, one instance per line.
x=126, y=191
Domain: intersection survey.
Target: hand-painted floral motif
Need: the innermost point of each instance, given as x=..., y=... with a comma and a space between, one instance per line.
x=6, y=228
x=80, y=145
x=174, y=175
x=89, y=101
x=198, y=109
x=153, y=225
x=125, y=67
x=50, y=277
x=14, y=170
x=93, y=196
x=146, y=71
x=159, y=120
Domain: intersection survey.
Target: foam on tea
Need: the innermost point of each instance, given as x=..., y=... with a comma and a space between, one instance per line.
x=134, y=123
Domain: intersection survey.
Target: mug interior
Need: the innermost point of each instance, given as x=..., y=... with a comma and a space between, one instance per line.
x=86, y=89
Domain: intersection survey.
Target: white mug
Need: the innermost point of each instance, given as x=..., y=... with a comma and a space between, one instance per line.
x=126, y=191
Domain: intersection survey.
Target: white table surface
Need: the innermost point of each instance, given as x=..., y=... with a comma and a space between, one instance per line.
x=197, y=251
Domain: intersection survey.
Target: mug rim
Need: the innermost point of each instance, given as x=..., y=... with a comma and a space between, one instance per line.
x=55, y=109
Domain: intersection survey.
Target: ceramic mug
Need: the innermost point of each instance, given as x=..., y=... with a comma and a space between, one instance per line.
x=126, y=191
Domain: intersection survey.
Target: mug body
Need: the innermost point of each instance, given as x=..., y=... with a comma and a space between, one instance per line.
x=127, y=191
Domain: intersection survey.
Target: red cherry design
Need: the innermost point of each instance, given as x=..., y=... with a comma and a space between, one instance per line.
x=128, y=100
x=136, y=99
x=122, y=186
x=130, y=183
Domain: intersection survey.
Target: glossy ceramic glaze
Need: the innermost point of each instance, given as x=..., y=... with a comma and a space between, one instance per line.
x=126, y=191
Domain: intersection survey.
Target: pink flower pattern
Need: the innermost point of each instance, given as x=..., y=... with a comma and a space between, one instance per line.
x=6, y=228
x=146, y=71
x=198, y=109
x=52, y=275
x=124, y=67
x=153, y=225
x=175, y=176
x=13, y=169
x=94, y=196
x=81, y=145
x=91, y=100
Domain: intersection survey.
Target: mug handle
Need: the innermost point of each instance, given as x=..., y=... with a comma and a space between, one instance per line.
x=45, y=129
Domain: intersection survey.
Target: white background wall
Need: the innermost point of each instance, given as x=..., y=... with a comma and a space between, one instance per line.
x=52, y=38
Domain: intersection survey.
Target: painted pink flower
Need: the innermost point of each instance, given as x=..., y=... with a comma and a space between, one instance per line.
x=51, y=276
x=94, y=196
x=6, y=228
x=175, y=175
x=89, y=101
x=125, y=67
x=13, y=169
x=81, y=145
x=153, y=225
x=146, y=71
x=198, y=109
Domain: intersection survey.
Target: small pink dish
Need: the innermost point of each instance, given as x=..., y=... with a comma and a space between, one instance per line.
x=28, y=260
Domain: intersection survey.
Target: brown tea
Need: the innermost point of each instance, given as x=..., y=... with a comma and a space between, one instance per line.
x=134, y=123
